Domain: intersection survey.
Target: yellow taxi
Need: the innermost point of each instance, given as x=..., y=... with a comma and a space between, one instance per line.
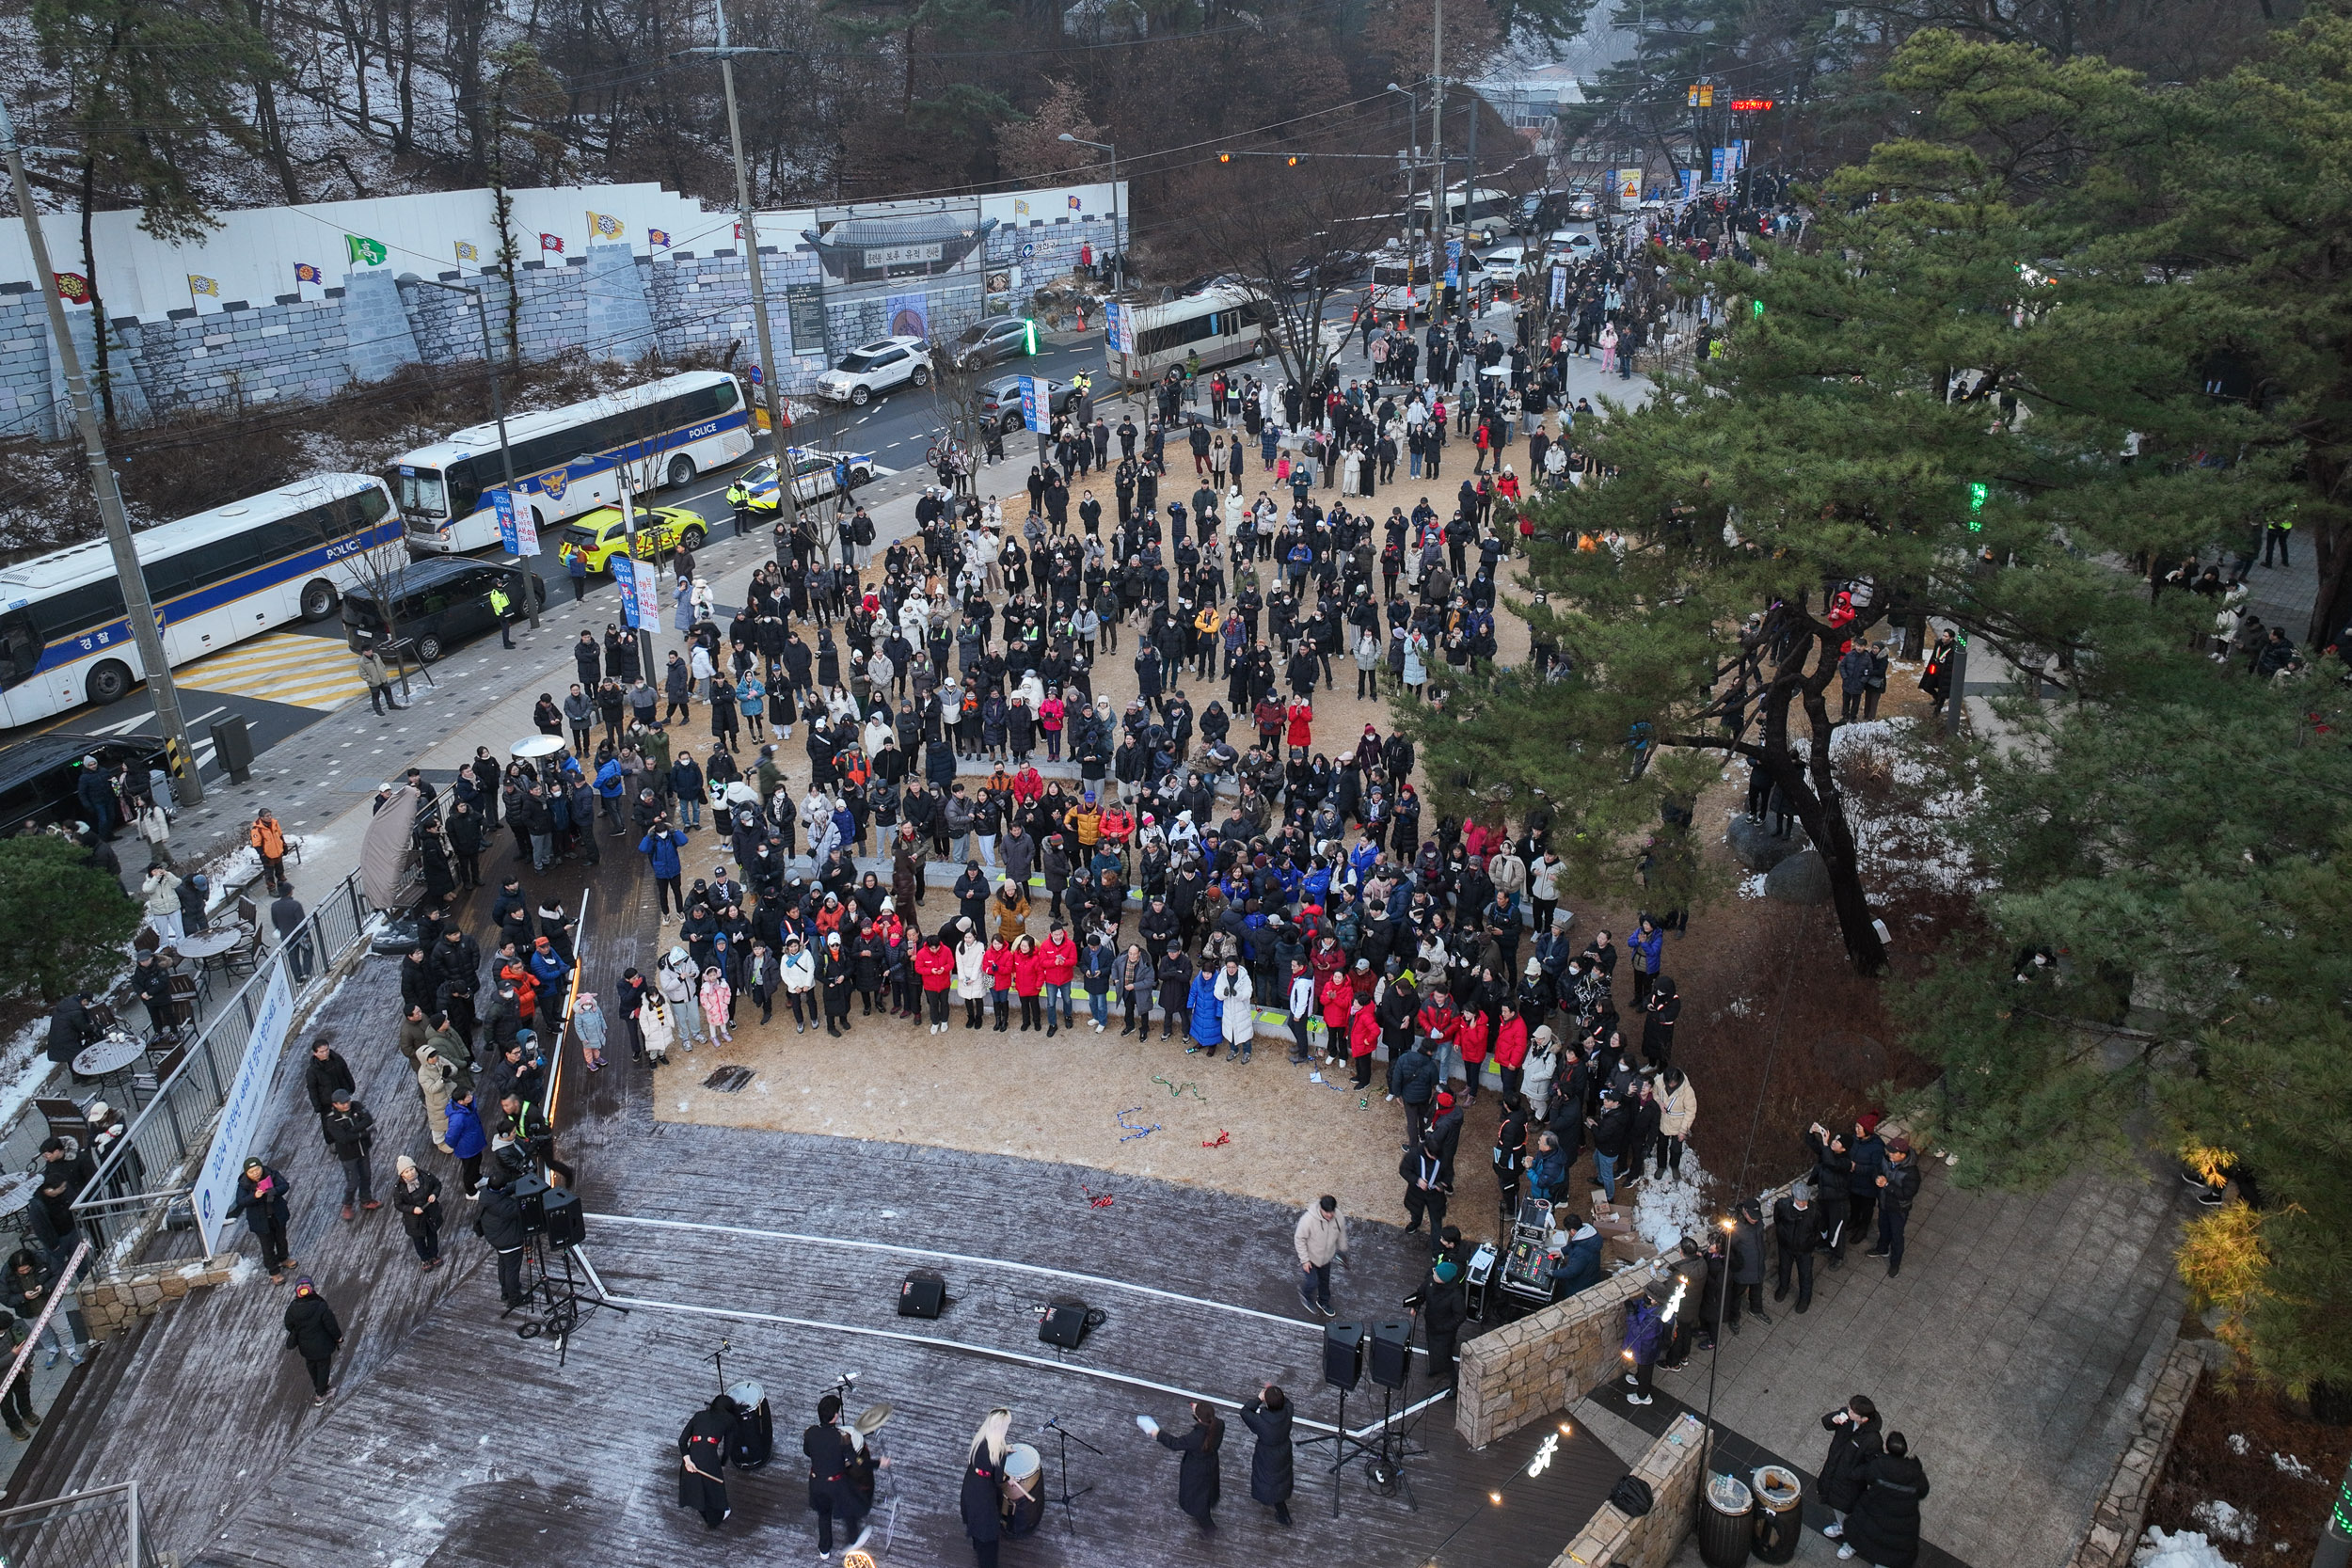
x=599, y=536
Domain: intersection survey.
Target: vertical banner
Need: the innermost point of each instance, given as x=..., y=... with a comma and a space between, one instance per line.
x=1559, y=286
x=625, y=578
x=1715, y=165
x=1120, y=327
x=272, y=1002
x=1690, y=184
x=1034, y=411
x=1454, y=263
x=649, y=613
x=502, y=503
x=526, y=533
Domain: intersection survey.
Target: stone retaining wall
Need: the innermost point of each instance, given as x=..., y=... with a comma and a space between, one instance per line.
x=111, y=1305
x=1615, y=1539
x=2121, y=1514
x=1546, y=1361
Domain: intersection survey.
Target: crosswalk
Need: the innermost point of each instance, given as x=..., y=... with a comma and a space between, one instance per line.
x=282, y=667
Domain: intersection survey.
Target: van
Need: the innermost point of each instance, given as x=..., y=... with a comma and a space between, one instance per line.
x=437, y=604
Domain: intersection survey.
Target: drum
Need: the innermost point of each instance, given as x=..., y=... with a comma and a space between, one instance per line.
x=1025, y=1468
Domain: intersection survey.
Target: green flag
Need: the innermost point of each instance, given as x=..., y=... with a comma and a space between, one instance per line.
x=364, y=251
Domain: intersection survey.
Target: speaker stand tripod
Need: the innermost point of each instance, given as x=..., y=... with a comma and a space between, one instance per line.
x=1068, y=1497
x=560, y=1307
x=1345, y=1449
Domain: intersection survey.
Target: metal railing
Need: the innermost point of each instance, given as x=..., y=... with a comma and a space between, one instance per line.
x=148, y=1170
x=83, y=1529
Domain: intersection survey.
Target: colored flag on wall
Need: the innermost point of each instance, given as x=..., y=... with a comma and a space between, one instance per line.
x=73, y=288
x=306, y=273
x=657, y=236
x=1073, y=205
x=551, y=241
x=200, y=285
x=465, y=251
x=605, y=225
x=1020, y=207
x=364, y=251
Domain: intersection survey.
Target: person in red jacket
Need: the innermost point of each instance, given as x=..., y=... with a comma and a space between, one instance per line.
x=1302, y=725
x=1338, y=1000
x=1511, y=1048
x=937, y=966
x=1028, y=980
x=1470, y=1037
x=1363, y=1033
x=996, y=963
x=1057, y=958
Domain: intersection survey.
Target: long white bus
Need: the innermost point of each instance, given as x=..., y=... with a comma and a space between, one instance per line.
x=216, y=578
x=1484, y=214
x=1222, y=326
x=1400, y=281
x=567, y=460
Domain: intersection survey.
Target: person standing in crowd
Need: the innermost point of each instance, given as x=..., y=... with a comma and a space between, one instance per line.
x=702, y=1449
x=1854, y=1441
x=1268, y=1415
x=500, y=1223
x=831, y=1456
x=1883, y=1528
x=982, y=1498
x=1197, y=1480
x=417, y=1194
x=351, y=1135
x=261, y=1199
x=1442, y=1306
x=1797, y=1229
x=313, y=1332
x=1897, y=1186
x=1746, y=1262
x=1320, y=1237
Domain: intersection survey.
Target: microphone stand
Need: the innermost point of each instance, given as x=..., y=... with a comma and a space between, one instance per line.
x=1068, y=1497
x=718, y=1359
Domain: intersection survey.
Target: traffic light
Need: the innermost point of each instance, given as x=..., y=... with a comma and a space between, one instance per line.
x=1756, y=308
x=1293, y=160
x=1028, y=330
x=1977, y=490
x=1225, y=157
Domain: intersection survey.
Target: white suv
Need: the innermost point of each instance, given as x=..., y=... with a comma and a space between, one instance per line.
x=877, y=367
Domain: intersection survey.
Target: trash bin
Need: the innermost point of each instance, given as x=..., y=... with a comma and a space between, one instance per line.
x=1779, y=1513
x=1725, y=1532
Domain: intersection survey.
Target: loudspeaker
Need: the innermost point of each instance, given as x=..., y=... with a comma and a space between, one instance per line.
x=1342, y=1353
x=566, y=1224
x=1392, y=1352
x=1064, y=1322
x=922, y=1294
x=530, y=1194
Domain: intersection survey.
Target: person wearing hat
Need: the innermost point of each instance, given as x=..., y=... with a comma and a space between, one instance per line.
x=1867, y=1152
x=313, y=1332
x=1797, y=1229
x=1442, y=1306
x=1744, y=1256
x=261, y=1199
x=416, y=1197
x=1897, y=1186
x=832, y=1460
x=350, y=1129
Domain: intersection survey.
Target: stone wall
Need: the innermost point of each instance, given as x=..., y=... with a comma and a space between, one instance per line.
x=1546, y=1361
x=2120, y=1513
x=1614, y=1539
x=111, y=1305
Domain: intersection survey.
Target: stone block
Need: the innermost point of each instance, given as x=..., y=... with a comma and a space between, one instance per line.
x=146, y=1294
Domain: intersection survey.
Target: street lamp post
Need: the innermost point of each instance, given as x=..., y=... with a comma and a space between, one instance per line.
x=1118, y=245
x=498, y=409
x=138, y=605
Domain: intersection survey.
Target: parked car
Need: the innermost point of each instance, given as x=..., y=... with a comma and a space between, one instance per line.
x=877, y=367
x=1000, y=400
x=1574, y=244
x=601, y=535
x=1582, y=207
x=438, y=604
x=37, y=774
x=993, y=340
x=1334, y=269
x=815, y=474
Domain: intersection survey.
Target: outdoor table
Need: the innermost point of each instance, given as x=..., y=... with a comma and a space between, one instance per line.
x=109, y=1056
x=16, y=1192
x=205, y=946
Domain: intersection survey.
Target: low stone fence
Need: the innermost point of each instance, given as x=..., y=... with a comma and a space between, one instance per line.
x=1614, y=1539
x=1546, y=1361
x=2122, y=1511
x=111, y=1305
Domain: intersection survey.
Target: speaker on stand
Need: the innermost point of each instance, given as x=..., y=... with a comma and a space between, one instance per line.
x=1391, y=1366
x=1342, y=1368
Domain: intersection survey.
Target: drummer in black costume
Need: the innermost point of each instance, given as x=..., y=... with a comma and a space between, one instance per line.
x=985, y=1487
x=831, y=1454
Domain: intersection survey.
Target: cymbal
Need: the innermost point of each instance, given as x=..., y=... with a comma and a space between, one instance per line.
x=871, y=1421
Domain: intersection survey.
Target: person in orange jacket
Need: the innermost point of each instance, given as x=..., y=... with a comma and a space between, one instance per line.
x=996, y=963
x=1363, y=1033
x=1028, y=980
x=937, y=966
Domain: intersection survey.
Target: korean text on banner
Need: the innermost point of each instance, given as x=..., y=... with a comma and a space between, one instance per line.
x=1715, y=165
x=502, y=503
x=1559, y=286
x=1121, y=328
x=1454, y=263
x=626, y=581
x=273, y=1004
x=526, y=533
x=1033, y=404
x=1690, y=184
x=648, y=611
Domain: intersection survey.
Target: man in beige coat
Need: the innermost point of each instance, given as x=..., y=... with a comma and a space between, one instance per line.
x=1320, y=1237
x=434, y=1077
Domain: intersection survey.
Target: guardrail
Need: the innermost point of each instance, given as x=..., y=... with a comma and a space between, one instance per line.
x=100, y=1525
x=148, y=1169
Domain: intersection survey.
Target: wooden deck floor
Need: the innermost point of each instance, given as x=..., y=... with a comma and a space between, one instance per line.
x=452, y=1442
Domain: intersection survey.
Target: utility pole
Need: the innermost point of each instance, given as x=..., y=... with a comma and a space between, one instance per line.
x=787, y=504
x=1437, y=209
x=144, y=634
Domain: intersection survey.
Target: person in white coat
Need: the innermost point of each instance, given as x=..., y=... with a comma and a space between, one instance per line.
x=971, y=978
x=1543, y=1062
x=798, y=973
x=681, y=987
x=1239, y=1019
x=160, y=892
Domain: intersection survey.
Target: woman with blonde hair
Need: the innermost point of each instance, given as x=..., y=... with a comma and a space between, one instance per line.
x=985, y=1488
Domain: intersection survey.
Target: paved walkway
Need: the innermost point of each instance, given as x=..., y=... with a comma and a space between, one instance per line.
x=2015, y=1351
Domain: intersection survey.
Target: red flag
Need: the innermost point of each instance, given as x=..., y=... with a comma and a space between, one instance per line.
x=73, y=288
x=551, y=241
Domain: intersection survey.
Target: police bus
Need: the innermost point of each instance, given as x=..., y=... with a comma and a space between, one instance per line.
x=216, y=578
x=1220, y=325
x=568, y=461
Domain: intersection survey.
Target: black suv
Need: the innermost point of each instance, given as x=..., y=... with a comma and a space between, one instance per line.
x=37, y=774
x=1000, y=400
x=438, y=604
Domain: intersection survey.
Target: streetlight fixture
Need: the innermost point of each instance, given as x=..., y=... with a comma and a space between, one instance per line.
x=1119, y=244
x=138, y=606
x=497, y=408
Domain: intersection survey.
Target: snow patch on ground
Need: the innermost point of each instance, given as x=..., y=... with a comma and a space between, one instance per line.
x=1915, y=842
x=2224, y=1522
x=2186, y=1549
x=1752, y=887
x=1666, y=1211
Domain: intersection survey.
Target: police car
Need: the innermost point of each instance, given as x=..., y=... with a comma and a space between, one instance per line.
x=816, y=475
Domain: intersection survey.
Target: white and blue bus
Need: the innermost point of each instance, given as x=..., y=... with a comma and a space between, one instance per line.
x=568, y=461
x=216, y=578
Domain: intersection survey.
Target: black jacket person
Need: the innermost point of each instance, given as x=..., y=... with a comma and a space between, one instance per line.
x=312, y=1331
x=702, y=1448
x=1445, y=1306
x=1268, y=1414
